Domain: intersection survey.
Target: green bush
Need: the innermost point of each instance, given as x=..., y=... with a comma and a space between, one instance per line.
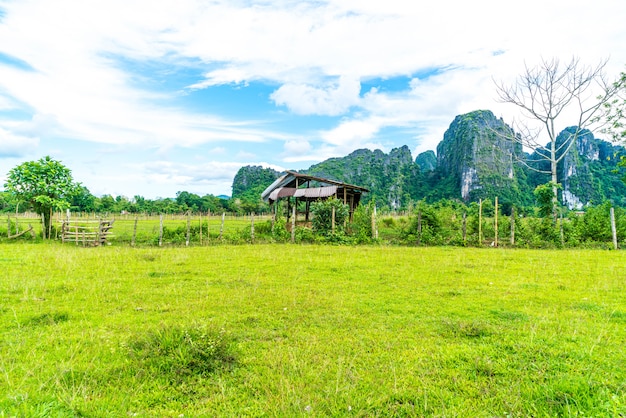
x=361, y=225
x=322, y=215
x=175, y=353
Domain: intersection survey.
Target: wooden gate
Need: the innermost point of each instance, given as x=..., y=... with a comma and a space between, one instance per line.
x=92, y=233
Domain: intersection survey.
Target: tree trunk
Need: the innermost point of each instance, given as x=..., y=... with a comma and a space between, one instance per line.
x=46, y=222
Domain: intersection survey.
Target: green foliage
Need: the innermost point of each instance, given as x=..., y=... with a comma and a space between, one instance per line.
x=544, y=194
x=322, y=212
x=361, y=225
x=45, y=185
x=8, y=202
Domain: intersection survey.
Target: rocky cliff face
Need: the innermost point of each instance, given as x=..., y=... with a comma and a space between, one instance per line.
x=475, y=153
x=252, y=180
x=427, y=161
x=585, y=172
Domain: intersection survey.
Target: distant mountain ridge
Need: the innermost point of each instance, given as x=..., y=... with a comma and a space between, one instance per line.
x=473, y=161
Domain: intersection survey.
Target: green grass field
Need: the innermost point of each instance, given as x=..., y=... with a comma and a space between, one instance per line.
x=291, y=330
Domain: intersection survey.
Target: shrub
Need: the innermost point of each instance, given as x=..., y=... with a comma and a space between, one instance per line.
x=361, y=225
x=175, y=353
x=322, y=215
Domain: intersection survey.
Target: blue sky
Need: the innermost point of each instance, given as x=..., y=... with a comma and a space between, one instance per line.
x=150, y=98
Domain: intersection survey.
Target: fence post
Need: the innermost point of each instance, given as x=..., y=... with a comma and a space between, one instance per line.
x=135, y=231
x=419, y=226
x=480, y=221
x=613, y=229
x=464, y=227
x=332, y=223
x=495, y=241
x=188, y=226
x=160, y=230
x=374, y=224
x=8, y=226
x=208, y=231
x=513, y=226
x=252, y=227
x=200, y=228
x=222, y=226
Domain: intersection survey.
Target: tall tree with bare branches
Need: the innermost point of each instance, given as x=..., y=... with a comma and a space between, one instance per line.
x=552, y=96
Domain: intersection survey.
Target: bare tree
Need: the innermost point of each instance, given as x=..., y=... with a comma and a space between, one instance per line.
x=549, y=93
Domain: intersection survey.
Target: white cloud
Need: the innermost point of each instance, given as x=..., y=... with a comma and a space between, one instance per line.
x=297, y=147
x=332, y=100
x=12, y=145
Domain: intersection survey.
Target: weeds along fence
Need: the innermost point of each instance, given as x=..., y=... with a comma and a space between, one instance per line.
x=183, y=229
x=87, y=229
x=427, y=225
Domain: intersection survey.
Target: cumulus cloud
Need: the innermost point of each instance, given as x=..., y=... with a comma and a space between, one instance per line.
x=297, y=147
x=332, y=100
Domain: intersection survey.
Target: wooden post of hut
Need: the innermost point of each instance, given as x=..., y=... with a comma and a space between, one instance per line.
x=293, y=226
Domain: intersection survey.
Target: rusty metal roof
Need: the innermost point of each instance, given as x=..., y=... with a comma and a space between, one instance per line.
x=287, y=184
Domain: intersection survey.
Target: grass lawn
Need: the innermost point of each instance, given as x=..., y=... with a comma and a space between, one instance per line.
x=290, y=330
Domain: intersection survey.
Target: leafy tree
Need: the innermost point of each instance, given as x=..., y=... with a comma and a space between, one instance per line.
x=45, y=185
x=7, y=202
x=548, y=93
x=106, y=203
x=188, y=200
x=83, y=200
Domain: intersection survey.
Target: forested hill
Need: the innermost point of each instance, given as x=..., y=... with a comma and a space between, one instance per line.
x=473, y=161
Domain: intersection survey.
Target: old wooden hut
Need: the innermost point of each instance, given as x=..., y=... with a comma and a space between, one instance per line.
x=296, y=188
